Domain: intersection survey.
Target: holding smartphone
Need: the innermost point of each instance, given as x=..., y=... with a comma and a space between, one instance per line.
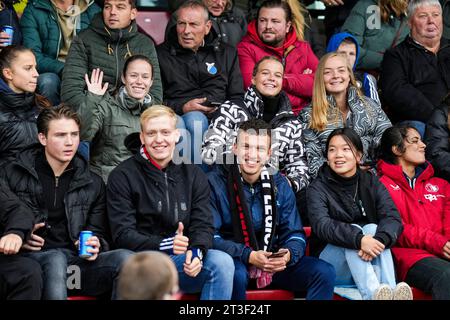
x=279, y=254
x=212, y=104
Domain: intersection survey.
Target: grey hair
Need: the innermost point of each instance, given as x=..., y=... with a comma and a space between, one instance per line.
x=414, y=4
x=193, y=4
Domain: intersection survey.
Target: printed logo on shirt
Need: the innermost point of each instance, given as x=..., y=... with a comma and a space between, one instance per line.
x=395, y=187
x=432, y=197
x=211, y=68
x=431, y=187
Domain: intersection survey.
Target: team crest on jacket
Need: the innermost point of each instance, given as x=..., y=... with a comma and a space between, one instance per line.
x=431, y=187
x=211, y=68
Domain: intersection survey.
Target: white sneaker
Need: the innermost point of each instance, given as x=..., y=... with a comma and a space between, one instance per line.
x=383, y=292
x=403, y=292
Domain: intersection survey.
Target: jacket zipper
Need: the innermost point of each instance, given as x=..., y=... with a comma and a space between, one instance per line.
x=175, y=213
x=59, y=39
x=56, y=189
x=117, y=59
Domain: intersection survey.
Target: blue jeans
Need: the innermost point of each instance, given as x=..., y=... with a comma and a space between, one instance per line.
x=196, y=125
x=351, y=269
x=309, y=274
x=49, y=85
x=419, y=125
x=214, y=282
x=96, y=277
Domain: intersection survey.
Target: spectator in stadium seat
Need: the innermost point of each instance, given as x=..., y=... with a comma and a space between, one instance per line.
x=347, y=45
x=19, y=104
x=415, y=75
x=149, y=275
x=8, y=17
x=256, y=218
x=422, y=252
x=265, y=100
x=437, y=138
x=20, y=277
x=377, y=25
x=111, y=38
x=337, y=102
x=354, y=221
x=49, y=27
x=108, y=120
x=156, y=204
x=228, y=21
x=198, y=71
x=274, y=33
x=64, y=198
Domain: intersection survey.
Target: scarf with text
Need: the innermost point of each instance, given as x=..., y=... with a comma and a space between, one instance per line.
x=243, y=229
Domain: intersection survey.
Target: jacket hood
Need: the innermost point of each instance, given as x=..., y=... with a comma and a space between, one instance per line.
x=290, y=40
x=395, y=172
x=133, y=105
x=336, y=40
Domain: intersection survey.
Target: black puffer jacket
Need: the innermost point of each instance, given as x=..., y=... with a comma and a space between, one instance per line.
x=332, y=211
x=84, y=201
x=437, y=138
x=18, y=113
x=145, y=204
x=213, y=72
x=15, y=216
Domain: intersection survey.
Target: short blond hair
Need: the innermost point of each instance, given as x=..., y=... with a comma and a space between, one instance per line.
x=155, y=112
x=149, y=275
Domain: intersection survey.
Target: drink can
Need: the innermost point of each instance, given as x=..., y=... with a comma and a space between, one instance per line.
x=82, y=252
x=10, y=31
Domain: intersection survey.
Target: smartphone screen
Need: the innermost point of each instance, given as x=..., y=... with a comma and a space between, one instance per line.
x=278, y=254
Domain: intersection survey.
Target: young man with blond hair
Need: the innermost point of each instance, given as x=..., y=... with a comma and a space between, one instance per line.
x=155, y=204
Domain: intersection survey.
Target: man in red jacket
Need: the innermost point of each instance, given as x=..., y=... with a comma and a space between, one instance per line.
x=273, y=34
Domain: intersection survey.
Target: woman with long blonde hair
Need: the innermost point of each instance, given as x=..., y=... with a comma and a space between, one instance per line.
x=337, y=102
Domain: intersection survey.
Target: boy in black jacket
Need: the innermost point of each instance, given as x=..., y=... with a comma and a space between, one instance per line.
x=64, y=198
x=156, y=204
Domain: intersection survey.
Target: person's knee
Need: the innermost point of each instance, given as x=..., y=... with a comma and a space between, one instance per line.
x=49, y=80
x=120, y=256
x=370, y=228
x=31, y=270
x=195, y=120
x=220, y=264
x=325, y=272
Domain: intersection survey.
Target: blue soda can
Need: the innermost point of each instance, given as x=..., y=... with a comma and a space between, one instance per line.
x=10, y=31
x=82, y=252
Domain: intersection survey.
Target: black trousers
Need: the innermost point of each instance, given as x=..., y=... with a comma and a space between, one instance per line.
x=431, y=275
x=20, y=278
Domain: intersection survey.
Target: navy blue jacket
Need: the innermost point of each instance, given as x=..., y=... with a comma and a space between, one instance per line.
x=289, y=230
